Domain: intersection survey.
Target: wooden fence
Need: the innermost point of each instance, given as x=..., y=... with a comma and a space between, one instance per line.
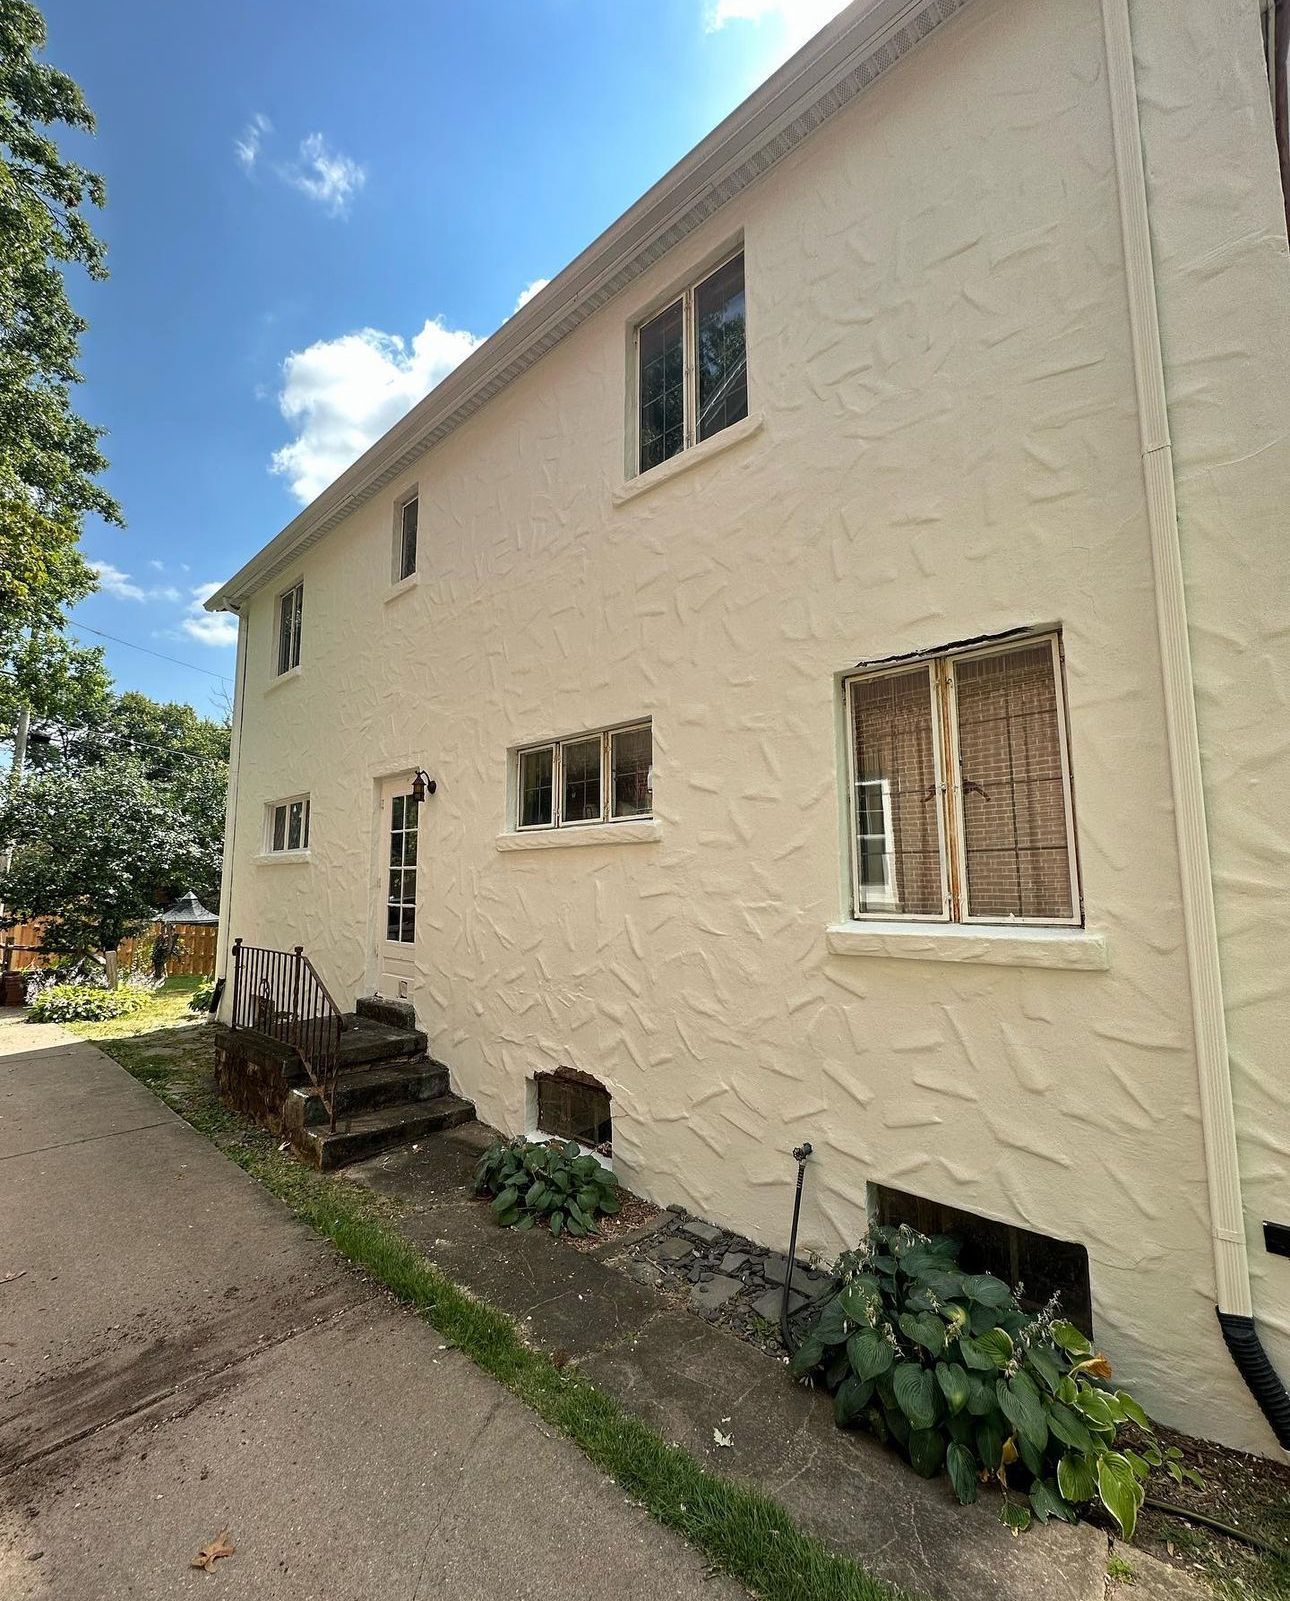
x=21, y=947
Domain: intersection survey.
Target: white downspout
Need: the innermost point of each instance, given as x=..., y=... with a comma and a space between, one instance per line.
x=230, y=805
x=1218, y=1122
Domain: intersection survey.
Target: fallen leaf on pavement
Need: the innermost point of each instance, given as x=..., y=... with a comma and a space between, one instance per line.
x=210, y=1554
x=722, y=1439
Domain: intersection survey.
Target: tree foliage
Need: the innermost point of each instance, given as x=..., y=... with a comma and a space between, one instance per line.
x=49, y=456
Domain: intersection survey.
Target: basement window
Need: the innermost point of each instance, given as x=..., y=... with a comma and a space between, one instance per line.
x=575, y=1106
x=1042, y=1267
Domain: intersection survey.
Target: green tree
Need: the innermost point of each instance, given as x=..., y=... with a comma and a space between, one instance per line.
x=62, y=686
x=97, y=850
x=49, y=456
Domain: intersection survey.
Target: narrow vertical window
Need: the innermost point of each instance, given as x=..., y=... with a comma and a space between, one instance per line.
x=961, y=802
x=662, y=387
x=537, y=787
x=721, y=361
x=631, y=755
x=401, y=912
x=580, y=779
x=290, y=612
x=407, y=553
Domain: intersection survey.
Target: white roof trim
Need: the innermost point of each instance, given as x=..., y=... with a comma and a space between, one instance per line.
x=859, y=45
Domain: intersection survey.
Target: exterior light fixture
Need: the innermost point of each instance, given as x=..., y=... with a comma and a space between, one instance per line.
x=422, y=785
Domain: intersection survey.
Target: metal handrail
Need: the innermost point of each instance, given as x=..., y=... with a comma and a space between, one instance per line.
x=279, y=994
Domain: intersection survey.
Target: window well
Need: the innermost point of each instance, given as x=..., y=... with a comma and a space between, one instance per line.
x=574, y=1106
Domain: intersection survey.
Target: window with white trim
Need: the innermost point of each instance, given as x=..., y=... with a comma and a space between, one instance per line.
x=605, y=777
x=692, y=366
x=405, y=539
x=287, y=825
x=960, y=787
x=290, y=612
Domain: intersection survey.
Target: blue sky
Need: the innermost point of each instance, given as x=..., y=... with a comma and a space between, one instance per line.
x=315, y=207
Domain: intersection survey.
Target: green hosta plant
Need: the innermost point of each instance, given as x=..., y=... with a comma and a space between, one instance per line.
x=946, y=1366
x=549, y=1182
x=82, y=1003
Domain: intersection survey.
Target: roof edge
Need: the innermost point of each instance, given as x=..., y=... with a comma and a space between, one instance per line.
x=837, y=64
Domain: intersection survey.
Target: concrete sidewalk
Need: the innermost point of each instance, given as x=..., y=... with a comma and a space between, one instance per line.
x=178, y=1355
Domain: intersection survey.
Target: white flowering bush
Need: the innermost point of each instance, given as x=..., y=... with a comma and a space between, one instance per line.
x=948, y=1368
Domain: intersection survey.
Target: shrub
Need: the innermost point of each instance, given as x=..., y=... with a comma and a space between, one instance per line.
x=84, y=1003
x=946, y=1366
x=551, y=1183
x=200, y=999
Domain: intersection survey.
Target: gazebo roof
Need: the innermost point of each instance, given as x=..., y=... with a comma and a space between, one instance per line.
x=187, y=909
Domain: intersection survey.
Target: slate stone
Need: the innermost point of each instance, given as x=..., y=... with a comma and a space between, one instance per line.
x=732, y=1261
x=674, y=1250
x=713, y=1293
x=767, y=1305
x=808, y=1282
x=704, y=1232
x=643, y=1273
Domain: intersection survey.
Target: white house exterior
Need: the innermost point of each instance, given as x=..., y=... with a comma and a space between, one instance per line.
x=1014, y=457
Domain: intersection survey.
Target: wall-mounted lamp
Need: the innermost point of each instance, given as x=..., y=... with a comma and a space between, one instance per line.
x=422, y=785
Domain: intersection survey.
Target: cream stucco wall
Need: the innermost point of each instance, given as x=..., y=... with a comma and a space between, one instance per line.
x=939, y=348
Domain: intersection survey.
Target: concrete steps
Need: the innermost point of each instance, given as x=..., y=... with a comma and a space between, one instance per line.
x=389, y=1093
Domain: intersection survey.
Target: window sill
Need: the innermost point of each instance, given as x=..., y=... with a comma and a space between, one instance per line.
x=996, y=946
x=283, y=678
x=693, y=457
x=402, y=587
x=646, y=832
x=281, y=858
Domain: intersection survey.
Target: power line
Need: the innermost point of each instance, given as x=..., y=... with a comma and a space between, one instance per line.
x=160, y=655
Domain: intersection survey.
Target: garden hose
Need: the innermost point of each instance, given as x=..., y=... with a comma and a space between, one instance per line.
x=1256, y=1540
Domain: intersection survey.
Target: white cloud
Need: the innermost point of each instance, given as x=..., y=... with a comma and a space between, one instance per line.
x=526, y=294
x=794, y=20
x=208, y=627
x=247, y=148
x=341, y=394
x=326, y=176
x=112, y=581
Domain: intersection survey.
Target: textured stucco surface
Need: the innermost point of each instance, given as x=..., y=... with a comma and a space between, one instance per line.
x=939, y=346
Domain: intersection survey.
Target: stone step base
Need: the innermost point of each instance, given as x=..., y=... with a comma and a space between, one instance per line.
x=381, y=1129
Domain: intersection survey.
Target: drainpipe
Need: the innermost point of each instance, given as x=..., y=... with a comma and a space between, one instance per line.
x=230, y=806
x=1218, y=1123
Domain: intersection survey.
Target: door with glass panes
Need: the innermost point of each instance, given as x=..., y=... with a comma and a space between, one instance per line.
x=398, y=884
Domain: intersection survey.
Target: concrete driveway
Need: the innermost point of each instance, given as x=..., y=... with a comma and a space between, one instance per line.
x=178, y=1355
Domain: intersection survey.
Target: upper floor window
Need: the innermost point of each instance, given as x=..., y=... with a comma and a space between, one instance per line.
x=405, y=552
x=593, y=778
x=287, y=825
x=692, y=366
x=960, y=788
x=290, y=609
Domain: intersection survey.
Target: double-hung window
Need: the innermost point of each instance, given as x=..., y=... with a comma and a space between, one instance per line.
x=960, y=788
x=405, y=550
x=287, y=825
x=290, y=611
x=692, y=366
x=593, y=778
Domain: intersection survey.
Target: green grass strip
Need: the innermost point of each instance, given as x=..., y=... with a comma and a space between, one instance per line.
x=741, y=1532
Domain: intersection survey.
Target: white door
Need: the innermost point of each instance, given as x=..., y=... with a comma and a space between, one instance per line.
x=399, y=876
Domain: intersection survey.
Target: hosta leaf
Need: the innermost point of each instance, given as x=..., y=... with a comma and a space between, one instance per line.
x=849, y=1404
x=925, y=1329
x=1044, y=1363
x=505, y=1200
x=610, y=1205
x=1139, y=1464
x=1016, y=1514
x=837, y=1367
x=954, y=1385
x=1023, y=1410
x=1119, y=1491
x=855, y=1302
x=989, y=1443
x=525, y=1223
x=536, y=1193
x=963, y=1473
x=1071, y=1340
x=961, y=1426
x=589, y=1199
x=926, y=1452
x=557, y=1223
x=993, y=1349
x=1069, y=1428
x=1030, y=1454
x=915, y=1394
x=870, y=1353
x=1133, y=1411
x=1046, y=1502
x=806, y=1358
x=1093, y=1405
x=981, y=1401
x=832, y=1326
x=985, y=1290
x=897, y=1424
x=945, y=1285
x=1075, y=1477
x=510, y=1217
x=575, y=1228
